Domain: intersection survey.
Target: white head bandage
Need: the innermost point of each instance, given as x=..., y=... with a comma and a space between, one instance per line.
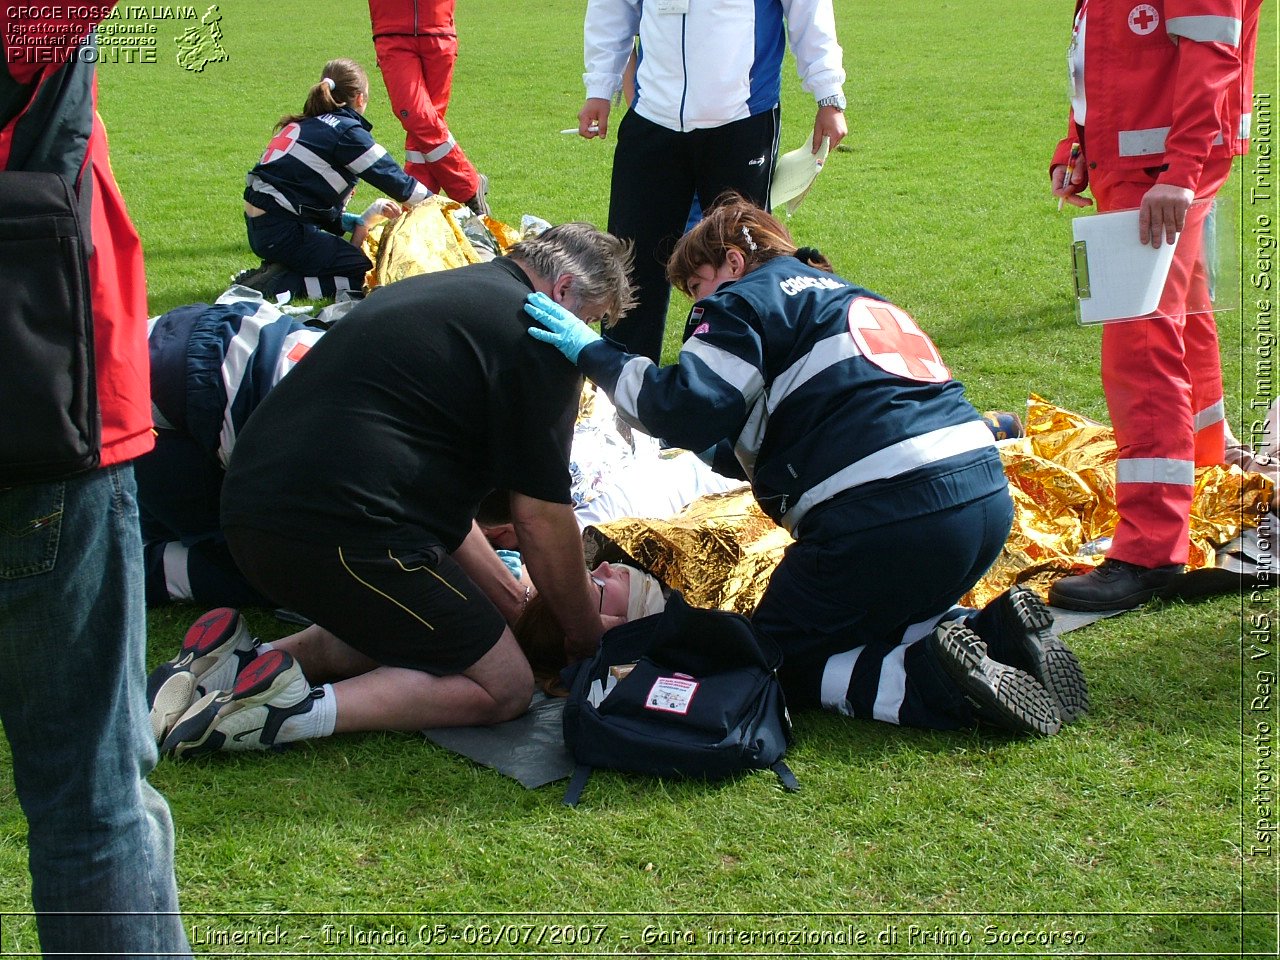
x=646, y=597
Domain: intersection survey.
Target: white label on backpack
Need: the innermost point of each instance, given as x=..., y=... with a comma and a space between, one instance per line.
x=671, y=694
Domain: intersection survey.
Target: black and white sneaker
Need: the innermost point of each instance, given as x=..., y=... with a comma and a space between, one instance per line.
x=267, y=692
x=214, y=649
x=1025, y=640
x=1001, y=695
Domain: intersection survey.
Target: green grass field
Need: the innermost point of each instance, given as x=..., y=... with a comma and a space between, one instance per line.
x=1133, y=833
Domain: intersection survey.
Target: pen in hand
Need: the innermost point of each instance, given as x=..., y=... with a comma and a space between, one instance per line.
x=1069, y=172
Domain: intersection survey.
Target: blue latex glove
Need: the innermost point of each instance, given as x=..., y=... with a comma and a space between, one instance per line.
x=564, y=331
x=350, y=221
x=512, y=559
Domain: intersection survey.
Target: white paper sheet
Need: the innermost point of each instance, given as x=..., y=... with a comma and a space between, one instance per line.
x=1125, y=277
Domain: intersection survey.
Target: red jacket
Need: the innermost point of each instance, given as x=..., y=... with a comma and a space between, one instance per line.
x=1166, y=82
x=49, y=123
x=412, y=18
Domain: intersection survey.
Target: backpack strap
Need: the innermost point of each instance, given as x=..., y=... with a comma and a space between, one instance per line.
x=581, y=774
x=785, y=776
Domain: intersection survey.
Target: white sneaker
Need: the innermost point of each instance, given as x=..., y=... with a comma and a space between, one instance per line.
x=267, y=692
x=216, y=646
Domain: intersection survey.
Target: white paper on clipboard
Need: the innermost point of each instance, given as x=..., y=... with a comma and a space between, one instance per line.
x=1117, y=278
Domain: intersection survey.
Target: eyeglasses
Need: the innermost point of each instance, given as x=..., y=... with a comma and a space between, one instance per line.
x=599, y=583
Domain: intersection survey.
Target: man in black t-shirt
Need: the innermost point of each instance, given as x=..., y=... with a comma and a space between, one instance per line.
x=351, y=498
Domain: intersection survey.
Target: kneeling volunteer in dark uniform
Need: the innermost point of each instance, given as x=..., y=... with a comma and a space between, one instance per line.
x=856, y=439
x=351, y=498
x=295, y=197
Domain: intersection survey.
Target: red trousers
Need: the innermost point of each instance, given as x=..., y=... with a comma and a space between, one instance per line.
x=418, y=73
x=1162, y=375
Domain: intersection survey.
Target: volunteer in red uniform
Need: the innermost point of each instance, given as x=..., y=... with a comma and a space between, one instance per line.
x=417, y=46
x=1161, y=96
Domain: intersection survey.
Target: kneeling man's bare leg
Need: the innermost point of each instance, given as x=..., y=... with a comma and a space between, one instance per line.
x=495, y=688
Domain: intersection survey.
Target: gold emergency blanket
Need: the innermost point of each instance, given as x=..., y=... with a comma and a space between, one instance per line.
x=720, y=550
x=424, y=240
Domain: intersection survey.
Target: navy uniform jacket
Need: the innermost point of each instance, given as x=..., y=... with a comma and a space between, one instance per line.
x=821, y=388
x=211, y=365
x=309, y=169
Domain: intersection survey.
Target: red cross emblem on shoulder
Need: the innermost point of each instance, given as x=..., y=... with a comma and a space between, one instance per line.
x=281, y=143
x=1143, y=19
x=888, y=337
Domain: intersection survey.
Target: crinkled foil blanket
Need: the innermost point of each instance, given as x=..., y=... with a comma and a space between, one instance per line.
x=428, y=238
x=721, y=550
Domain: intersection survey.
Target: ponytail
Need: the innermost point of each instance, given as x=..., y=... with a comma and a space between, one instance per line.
x=341, y=82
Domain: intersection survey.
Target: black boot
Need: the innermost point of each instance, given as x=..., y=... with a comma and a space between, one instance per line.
x=999, y=694
x=1114, y=585
x=1017, y=628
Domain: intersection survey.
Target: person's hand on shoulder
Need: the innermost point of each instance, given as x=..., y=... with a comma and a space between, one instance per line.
x=564, y=330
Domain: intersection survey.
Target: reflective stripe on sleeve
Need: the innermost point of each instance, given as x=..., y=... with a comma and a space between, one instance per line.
x=1206, y=29
x=1142, y=143
x=626, y=394
x=738, y=373
x=367, y=159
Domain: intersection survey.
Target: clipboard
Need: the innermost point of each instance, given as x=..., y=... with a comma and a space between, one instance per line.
x=1116, y=277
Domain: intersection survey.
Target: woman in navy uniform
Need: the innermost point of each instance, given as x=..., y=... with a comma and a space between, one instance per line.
x=856, y=438
x=295, y=197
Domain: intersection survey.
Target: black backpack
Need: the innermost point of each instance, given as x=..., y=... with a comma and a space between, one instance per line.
x=684, y=693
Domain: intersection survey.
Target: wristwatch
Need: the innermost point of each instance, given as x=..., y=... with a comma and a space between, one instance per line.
x=835, y=100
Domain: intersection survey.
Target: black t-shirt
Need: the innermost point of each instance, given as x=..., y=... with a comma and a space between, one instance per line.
x=421, y=400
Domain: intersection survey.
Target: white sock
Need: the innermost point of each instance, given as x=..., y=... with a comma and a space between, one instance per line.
x=177, y=578
x=264, y=647
x=316, y=722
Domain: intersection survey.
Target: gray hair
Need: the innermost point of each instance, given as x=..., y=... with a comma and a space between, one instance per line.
x=599, y=263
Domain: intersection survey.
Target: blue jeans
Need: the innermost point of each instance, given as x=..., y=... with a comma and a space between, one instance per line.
x=73, y=705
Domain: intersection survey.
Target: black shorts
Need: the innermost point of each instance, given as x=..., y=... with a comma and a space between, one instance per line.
x=403, y=607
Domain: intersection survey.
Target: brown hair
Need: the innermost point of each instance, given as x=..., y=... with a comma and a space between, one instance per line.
x=542, y=640
x=348, y=82
x=735, y=223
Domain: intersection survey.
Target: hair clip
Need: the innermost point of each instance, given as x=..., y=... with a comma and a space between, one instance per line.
x=750, y=243
x=329, y=82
